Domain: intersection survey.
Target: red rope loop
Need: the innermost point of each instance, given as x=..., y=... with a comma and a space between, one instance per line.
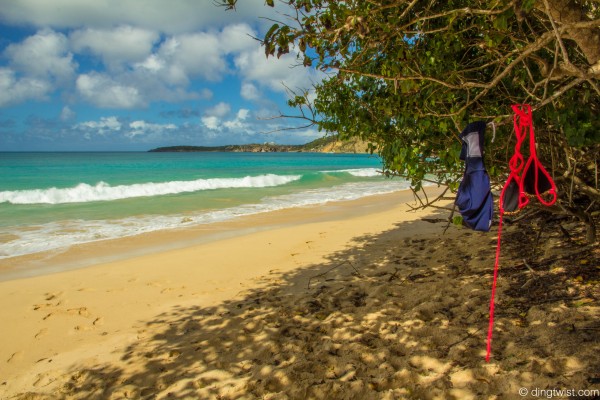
x=523, y=125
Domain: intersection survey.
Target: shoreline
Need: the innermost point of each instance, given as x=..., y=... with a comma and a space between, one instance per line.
x=93, y=253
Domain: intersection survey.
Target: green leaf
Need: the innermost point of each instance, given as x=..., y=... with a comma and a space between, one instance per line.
x=501, y=22
x=271, y=31
x=528, y=5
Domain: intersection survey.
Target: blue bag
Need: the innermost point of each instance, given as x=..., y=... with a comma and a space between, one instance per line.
x=474, y=197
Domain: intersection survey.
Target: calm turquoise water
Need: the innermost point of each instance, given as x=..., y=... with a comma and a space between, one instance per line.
x=54, y=200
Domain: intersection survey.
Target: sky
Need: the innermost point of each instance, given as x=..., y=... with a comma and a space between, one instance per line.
x=132, y=75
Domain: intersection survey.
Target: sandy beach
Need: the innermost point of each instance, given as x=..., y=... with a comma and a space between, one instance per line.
x=354, y=300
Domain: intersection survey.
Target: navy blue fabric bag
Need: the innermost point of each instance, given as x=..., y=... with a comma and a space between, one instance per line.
x=474, y=197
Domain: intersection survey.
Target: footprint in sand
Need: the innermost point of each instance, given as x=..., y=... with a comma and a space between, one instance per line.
x=46, y=378
x=76, y=312
x=43, y=306
x=83, y=311
x=81, y=328
x=41, y=333
x=142, y=334
x=16, y=356
x=49, y=297
x=86, y=290
x=125, y=392
x=52, y=296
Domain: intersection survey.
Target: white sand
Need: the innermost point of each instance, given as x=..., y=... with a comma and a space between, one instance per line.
x=355, y=300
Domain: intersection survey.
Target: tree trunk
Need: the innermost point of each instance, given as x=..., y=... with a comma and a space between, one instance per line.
x=568, y=12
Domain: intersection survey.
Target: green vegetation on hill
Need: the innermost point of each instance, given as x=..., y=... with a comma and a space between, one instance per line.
x=326, y=144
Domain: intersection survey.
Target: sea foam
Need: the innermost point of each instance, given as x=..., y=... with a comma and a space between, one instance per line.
x=102, y=191
x=363, y=172
x=63, y=234
x=360, y=172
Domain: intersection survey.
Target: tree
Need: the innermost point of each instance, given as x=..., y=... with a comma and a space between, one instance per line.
x=407, y=75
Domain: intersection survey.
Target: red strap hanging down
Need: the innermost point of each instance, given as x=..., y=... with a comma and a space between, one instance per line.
x=518, y=177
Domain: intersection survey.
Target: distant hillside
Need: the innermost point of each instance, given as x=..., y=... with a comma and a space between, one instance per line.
x=327, y=144
x=331, y=144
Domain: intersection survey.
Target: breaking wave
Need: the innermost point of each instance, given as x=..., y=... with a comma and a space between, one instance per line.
x=62, y=234
x=363, y=172
x=359, y=172
x=102, y=191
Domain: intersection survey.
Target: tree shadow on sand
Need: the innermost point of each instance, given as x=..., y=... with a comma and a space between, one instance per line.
x=397, y=316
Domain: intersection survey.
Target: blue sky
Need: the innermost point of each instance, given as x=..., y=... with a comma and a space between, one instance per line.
x=137, y=74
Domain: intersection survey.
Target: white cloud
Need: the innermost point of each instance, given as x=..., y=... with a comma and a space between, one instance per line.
x=67, y=114
x=220, y=110
x=181, y=58
x=153, y=63
x=38, y=65
x=249, y=91
x=238, y=123
x=171, y=17
x=137, y=73
x=143, y=125
x=142, y=68
x=142, y=128
x=137, y=125
x=102, y=91
x=114, y=130
x=213, y=118
x=275, y=73
x=211, y=123
x=115, y=46
x=105, y=125
x=243, y=114
x=13, y=90
x=197, y=54
x=43, y=55
x=133, y=89
x=238, y=37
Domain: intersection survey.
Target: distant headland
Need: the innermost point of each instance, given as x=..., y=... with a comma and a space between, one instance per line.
x=327, y=144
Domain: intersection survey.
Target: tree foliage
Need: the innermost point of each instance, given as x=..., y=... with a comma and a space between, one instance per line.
x=408, y=75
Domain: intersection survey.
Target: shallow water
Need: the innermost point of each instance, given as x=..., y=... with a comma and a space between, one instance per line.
x=51, y=201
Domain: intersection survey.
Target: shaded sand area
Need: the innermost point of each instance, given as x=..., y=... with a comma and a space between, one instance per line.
x=360, y=300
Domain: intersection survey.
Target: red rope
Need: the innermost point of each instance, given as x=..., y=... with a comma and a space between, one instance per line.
x=492, y=303
x=523, y=125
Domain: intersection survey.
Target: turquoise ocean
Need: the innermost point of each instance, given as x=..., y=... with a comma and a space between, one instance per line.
x=51, y=201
